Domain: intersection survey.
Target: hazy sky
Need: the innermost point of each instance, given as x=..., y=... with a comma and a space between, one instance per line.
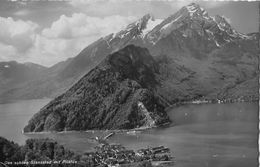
x=46, y=32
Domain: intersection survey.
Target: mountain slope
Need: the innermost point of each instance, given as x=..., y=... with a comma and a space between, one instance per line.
x=17, y=72
x=117, y=94
x=40, y=85
x=214, y=74
x=13, y=74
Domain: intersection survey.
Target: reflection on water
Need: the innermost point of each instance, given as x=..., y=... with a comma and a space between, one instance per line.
x=221, y=135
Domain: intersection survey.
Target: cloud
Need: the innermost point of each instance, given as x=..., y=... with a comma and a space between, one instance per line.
x=50, y=51
x=159, y=8
x=80, y=25
x=176, y=5
x=209, y=4
x=77, y=3
x=19, y=34
x=214, y=4
x=66, y=37
x=22, y=13
x=106, y=8
x=7, y=52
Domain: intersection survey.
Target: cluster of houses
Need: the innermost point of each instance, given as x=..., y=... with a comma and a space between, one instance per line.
x=115, y=154
x=249, y=98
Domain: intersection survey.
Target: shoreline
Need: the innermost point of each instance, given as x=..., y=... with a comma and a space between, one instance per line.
x=140, y=129
x=22, y=100
x=94, y=131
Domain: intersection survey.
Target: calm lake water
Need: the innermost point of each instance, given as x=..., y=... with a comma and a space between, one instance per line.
x=208, y=135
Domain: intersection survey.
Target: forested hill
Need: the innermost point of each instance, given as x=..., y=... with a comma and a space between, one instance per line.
x=117, y=94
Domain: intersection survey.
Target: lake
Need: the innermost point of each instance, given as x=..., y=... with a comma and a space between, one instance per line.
x=206, y=135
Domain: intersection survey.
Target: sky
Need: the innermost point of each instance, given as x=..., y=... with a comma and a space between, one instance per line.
x=47, y=32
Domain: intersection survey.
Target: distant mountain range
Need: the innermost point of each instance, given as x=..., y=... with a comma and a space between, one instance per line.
x=197, y=56
x=13, y=74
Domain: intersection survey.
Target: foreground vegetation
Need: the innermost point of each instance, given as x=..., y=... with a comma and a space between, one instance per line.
x=42, y=152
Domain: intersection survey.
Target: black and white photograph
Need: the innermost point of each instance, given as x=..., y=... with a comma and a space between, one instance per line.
x=129, y=83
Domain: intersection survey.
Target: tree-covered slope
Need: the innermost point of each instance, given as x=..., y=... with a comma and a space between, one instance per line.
x=116, y=94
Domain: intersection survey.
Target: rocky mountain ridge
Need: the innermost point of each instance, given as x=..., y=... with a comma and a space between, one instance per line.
x=191, y=16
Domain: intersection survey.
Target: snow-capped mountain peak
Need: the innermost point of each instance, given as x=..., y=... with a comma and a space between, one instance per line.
x=141, y=23
x=195, y=9
x=221, y=20
x=225, y=27
x=188, y=20
x=195, y=18
x=137, y=29
x=150, y=24
x=141, y=27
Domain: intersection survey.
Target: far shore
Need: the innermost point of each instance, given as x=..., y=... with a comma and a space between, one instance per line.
x=215, y=101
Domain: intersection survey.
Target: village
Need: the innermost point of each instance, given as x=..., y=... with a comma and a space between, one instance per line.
x=203, y=100
x=115, y=154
